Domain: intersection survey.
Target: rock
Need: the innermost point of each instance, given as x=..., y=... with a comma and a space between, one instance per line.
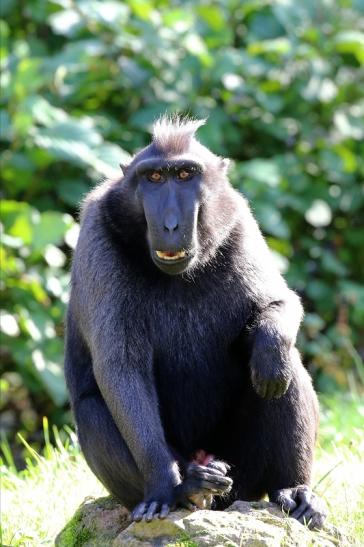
x=104, y=523
x=95, y=523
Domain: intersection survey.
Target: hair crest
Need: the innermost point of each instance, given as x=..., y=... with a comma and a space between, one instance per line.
x=172, y=134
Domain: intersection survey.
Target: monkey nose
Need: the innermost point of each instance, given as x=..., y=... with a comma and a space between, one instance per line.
x=170, y=222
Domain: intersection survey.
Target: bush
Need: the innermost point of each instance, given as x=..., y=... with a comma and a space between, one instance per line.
x=282, y=85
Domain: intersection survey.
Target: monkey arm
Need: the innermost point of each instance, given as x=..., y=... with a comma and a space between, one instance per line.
x=124, y=373
x=276, y=317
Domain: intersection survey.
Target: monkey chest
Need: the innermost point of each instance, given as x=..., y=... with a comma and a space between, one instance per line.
x=196, y=369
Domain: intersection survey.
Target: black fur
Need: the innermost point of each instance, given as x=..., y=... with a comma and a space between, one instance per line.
x=159, y=366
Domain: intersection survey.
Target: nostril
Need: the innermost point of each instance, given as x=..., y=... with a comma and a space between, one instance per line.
x=171, y=222
x=170, y=228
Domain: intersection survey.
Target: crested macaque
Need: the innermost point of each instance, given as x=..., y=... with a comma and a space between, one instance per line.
x=180, y=346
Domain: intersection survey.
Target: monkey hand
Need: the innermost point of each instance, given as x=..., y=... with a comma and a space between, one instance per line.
x=270, y=387
x=157, y=504
x=202, y=483
x=196, y=491
x=270, y=374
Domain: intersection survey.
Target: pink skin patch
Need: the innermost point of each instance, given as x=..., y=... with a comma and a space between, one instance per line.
x=201, y=457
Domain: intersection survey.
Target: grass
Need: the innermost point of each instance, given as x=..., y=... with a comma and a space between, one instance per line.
x=37, y=502
x=339, y=466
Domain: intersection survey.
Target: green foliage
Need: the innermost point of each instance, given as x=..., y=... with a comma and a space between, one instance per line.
x=282, y=85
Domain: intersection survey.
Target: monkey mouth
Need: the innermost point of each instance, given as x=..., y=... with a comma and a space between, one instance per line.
x=170, y=255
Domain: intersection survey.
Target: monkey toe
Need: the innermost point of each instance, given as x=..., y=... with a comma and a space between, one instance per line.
x=284, y=499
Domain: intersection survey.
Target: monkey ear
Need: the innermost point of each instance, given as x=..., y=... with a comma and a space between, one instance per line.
x=225, y=165
x=123, y=167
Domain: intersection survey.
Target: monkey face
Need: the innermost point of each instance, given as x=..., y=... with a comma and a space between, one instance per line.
x=169, y=191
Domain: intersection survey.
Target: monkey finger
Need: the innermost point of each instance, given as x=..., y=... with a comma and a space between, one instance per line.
x=164, y=512
x=194, y=470
x=215, y=480
x=152, y=509
x=138, y=512
x=200, y=474
x=218, y=465
x=281, y=389
x=270, y=390
x=212, y=469
x=261, y=388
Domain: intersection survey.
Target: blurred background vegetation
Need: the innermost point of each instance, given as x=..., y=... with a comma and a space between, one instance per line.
x=282, y=83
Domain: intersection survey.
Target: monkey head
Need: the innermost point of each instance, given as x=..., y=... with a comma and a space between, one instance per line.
x=176, y=184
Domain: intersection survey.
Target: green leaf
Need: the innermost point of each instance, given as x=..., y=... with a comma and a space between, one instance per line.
x=6, y=133
x=265, y=171
x=280, y=46
x=48, y=365
x=43, y=112
x=18, y=219
x=213, y=16
x=319, y=214
x=351, y=41
x=66, y=22
x=72, y=140
x=49, y=228
x=71, y=191
x=111, y=13
x=271, y=220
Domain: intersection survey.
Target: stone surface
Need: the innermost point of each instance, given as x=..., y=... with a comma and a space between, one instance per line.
x=95, y=523
x=104, y=523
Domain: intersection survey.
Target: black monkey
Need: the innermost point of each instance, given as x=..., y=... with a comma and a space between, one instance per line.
x=181, y=340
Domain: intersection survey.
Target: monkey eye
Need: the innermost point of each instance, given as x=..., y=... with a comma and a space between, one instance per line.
x=184, y=174
x=154, y=176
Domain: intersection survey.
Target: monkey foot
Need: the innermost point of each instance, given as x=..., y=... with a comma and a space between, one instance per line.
x=301, y=504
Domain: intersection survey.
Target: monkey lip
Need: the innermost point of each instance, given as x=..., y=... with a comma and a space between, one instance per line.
x=170, y=256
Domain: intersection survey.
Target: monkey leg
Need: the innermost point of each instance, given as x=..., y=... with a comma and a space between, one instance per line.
x=106, y=452
x=270, y=445
x=110, y=459
x=291, y=458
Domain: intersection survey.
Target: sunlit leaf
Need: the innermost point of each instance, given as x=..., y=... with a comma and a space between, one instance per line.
x=49, y=229
x=351, y=41
x=65, y=22
x=265, y=171
x=51, y=375
x=319, y=214
x=71, y=191
x=8, y=324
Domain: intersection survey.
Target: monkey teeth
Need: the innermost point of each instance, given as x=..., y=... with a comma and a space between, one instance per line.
x=167, y=255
